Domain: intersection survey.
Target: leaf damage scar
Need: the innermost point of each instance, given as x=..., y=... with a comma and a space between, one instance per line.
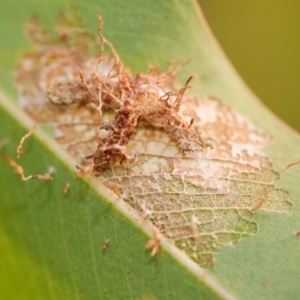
x=150, y=142
x=20, y=151
x=292, y=164
x=70, y=79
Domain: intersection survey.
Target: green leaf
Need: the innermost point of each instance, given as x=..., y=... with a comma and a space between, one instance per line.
x=52, y=244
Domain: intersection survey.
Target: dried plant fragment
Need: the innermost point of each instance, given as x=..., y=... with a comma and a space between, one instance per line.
x=19, y=170
x=141, y=134
x=20, y=151
x=293, y=164
x=72, y=85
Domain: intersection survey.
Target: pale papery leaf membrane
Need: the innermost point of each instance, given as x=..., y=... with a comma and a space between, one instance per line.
x=141, y=135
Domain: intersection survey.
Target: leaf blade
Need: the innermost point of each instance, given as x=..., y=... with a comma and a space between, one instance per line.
x=215, y=78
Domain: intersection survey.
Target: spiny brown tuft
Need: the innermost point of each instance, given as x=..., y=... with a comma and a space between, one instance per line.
x=70, y=78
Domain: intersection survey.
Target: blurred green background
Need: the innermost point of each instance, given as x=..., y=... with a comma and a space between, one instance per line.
x=262, y=40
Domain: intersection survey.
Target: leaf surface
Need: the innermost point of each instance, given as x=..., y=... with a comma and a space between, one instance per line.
x=60, y=238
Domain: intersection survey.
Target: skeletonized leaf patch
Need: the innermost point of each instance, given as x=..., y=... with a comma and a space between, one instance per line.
x=193, y=167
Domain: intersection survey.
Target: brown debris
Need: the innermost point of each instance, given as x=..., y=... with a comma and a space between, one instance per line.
x=144, y=105
x=70, y=79
x=19, y=170
x=20, y=151
x=293, y=164
x=88, y=169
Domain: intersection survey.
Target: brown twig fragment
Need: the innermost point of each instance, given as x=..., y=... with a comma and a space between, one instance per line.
x=88, y=169
x=293, y=164
x=101, y=39
x=106, y=86
x=19, y=170
x=20, y=151
x=180, y=95
x=46, y=177
x=154, y=243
